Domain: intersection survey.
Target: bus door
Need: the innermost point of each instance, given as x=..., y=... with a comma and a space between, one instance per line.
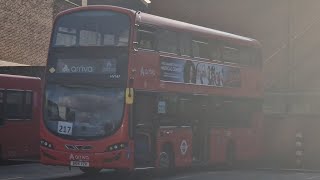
x=200, y=130
x=144, y=130
x=216, y=125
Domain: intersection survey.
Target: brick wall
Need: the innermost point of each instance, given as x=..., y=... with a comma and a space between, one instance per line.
x=61, y=5
x=25, y=30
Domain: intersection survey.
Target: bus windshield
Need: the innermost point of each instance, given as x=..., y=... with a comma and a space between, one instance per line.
x=80, y=112
x=92, y=28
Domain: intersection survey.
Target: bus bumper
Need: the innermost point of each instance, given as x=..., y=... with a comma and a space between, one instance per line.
x=121, y=159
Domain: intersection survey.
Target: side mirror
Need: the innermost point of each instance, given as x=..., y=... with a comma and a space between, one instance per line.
x=135, y=46
x=129, y=95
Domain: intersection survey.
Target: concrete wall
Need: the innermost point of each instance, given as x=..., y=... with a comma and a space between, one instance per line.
x=280, y=139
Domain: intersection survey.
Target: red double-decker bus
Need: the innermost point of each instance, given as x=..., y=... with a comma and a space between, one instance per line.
x=19, y=117
x=126, y=90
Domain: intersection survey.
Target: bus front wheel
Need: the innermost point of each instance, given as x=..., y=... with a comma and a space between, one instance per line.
x=90, y=170
x=166, y=160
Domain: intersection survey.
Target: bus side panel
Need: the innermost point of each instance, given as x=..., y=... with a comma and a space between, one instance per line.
x=147, y=72
x=20, y=138
x=248, y=140
x=243, y=138
x=35, y=128
x=218, y=143
x=180, y=139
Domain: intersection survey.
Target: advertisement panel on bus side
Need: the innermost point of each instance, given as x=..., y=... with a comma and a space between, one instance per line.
x=198, y=73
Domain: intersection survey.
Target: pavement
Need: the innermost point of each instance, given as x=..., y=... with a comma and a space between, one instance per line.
x=35, y=171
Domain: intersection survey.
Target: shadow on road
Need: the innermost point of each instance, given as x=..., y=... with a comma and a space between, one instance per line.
x=106, y=175
x=141, y=175
x=15, y=162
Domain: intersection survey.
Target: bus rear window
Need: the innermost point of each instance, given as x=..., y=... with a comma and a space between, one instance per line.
x=92, y=28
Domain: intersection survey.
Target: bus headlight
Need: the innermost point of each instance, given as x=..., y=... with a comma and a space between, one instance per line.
x=116, y=147
x=46, y=144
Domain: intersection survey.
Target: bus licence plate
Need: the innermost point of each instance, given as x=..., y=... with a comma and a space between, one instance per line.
x=79, y=163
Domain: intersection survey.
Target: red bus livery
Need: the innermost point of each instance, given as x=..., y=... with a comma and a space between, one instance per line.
x=19, y=116
x=126, y=90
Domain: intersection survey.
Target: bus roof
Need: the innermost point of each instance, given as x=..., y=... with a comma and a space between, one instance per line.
x=95, y=7
x=162, y=22
x=174, y=24
x=9, y=76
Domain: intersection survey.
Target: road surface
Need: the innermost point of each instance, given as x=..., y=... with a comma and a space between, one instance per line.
x=34, y=171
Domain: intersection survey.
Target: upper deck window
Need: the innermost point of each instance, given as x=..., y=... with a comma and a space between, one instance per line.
x=214, y=50
x=167, y=41
x=200, y=49
x=240, y=54
x=231, y=54
x=185, y=45
x=247, y=56
x=257, y=57
x=146, y=37
x=92, y=28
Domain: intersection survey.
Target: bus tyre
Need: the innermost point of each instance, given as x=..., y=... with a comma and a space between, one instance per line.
x=230, y=156
x=166, y=161
x=90, y=170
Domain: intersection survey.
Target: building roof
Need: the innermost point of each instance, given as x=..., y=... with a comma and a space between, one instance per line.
x=7, y=63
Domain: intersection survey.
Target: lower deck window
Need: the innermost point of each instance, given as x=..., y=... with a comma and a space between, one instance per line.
x=15, y=104
x=180, y=110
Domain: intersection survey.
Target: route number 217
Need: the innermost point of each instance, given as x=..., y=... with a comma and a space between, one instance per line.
x=65, y=128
